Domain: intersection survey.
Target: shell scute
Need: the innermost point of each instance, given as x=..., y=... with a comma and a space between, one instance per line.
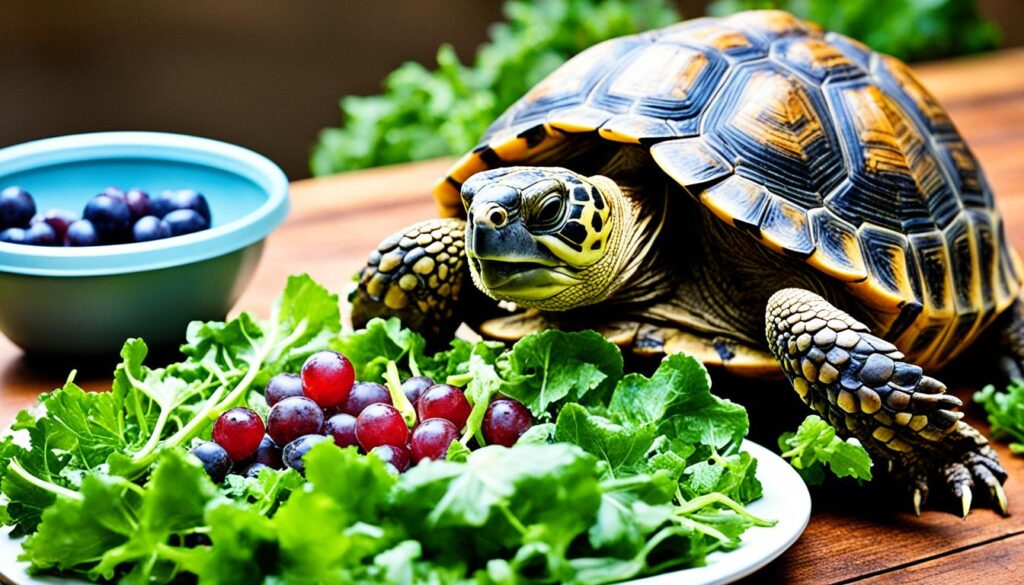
x=890, y=159
x=664, y=81
x=815, y=58
x=965, y=173
x=730, y=42
x=933, y=259
x=785, y=228
x=779, y=127
x=691, y=161
x=739, y=201
x=894, y=272
x=772, y=24
x=912, y=95
x=837, y=247
x=854, y=50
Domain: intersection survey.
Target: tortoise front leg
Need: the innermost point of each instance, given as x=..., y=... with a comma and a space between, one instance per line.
x=417, y=275
x=864, y=388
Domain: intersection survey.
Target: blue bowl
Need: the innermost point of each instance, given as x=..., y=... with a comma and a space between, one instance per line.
x=87, y=301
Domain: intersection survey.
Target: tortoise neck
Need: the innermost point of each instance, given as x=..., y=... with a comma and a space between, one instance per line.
x=641, y=211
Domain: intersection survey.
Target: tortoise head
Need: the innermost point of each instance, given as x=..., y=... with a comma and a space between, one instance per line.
x=543, y=237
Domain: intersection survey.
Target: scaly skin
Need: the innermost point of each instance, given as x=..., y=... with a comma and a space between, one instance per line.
x=864, y=388
x=417, y=275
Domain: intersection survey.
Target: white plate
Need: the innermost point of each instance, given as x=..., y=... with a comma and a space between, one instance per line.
x=785, y=499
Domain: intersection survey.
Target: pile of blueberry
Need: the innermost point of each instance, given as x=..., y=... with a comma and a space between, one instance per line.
x=324, y=402
x=114, y=216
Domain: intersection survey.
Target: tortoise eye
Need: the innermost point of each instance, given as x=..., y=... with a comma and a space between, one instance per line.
x=549, y=213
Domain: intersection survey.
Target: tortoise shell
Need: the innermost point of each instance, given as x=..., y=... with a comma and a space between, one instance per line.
x=805, y=139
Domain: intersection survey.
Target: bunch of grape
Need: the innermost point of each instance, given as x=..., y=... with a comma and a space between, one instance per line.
x=324, y=402
x=114, y=216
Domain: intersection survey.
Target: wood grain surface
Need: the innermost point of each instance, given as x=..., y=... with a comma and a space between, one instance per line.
x=856, y=532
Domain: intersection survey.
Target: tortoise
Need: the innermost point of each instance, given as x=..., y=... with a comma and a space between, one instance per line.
x=752, y=190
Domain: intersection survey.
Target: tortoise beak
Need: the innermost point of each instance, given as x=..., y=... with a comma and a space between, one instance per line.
x=524, y=280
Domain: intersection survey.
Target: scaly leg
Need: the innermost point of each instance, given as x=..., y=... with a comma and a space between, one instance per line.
x=864, y=388
x=418, y=275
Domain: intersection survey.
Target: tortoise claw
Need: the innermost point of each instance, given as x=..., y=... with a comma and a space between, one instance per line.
x=965, y=501
x=999, y=498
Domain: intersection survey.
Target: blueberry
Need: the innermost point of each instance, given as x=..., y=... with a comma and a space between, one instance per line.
x=82, y=233
x=297, y=449
x=185, y=221
x=138, y=203
x=169, y=201
x=214, y=458
x=110, y=216
x=13, y=236
x=254, y=470
x=16, y=208
x=59, y=220
x=41, y=234
x=115, y=192
x=150, y=228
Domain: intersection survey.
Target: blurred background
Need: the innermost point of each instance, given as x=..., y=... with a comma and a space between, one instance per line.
x=268, y=74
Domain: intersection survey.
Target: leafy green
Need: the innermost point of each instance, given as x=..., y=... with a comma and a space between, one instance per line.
x=678, y=399
x=147, y=411
x=423, y=114
x=554, y=366
x=111, y=521
x=1005, y=413
x=619, y=478
x=815, y=446
x=621, y=448
x=381, y=341
x=910, y=29
x=543, y=371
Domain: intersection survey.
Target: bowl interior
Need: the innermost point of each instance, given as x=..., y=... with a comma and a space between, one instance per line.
x=70, y=185
x=247, y=194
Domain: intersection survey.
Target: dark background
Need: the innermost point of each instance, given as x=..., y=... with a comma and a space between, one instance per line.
x=266, y=74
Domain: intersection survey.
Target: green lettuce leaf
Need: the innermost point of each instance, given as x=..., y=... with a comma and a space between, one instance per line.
x=371, y=348
x=1005, y=412
x=622, y=449
x=815, y=447
x=678, y=399
x=548, y=368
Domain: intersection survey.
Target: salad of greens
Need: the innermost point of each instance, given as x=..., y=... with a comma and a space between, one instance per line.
x=622, y=476
x=1005, y=412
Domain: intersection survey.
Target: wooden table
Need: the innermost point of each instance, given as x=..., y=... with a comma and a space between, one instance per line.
x=855, y=533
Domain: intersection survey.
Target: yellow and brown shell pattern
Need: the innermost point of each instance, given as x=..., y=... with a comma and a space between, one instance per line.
x=804, y=139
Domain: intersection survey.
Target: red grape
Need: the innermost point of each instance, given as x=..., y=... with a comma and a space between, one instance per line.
x=239, y=431
x=444, y=401
x=397, y=456
x=292, y=418
x=268, y=453
x=327, y=378
x=364, y=394
x=505, y=421
x=342, y=428
x=431, y=439
x=282, y=386
x=381, y=424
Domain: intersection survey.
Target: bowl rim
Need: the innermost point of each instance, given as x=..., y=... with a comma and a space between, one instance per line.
x=137, y=257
